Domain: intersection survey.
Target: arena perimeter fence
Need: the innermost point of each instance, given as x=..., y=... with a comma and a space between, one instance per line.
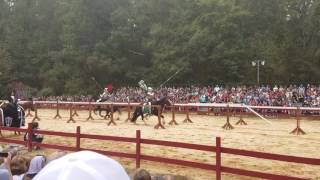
x=218, y=109
x=138, y=156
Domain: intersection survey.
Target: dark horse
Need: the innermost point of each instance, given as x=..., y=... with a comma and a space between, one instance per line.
x=13, y=115
x=154, y=110
x=107, y=110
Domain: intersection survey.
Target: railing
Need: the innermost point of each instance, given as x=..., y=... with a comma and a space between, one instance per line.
x=73, y=106
x=217, y=149
x=185, y=107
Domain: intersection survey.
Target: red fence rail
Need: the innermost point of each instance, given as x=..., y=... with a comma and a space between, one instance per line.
x=138, y=156
x=218, y=108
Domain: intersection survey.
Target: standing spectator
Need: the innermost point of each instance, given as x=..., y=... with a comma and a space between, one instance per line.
x=36, y=164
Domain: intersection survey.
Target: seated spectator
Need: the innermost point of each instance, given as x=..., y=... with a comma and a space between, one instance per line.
x=83, y=165
x=142, y=174
x=19, y=166
x=5, y=169
x=35, y=137
x=36, y=164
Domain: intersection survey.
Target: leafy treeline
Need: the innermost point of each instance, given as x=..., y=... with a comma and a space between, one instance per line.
x=67, y=46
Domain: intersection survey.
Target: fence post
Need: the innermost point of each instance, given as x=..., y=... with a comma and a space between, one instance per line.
x=78, y=139
x=218, y=158
x=173, y=121
x=111, y=116
x=58, y=113
x=29, y=113
x=138, y=148
x=241, y=121
x=75, y=110
x=71, y=114
x=187, y=120
x=35, y=114
x=298, y=129
x=30, y=132
x=228, y=126
x=90, y=112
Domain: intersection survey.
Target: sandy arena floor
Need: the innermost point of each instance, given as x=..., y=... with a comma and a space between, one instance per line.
x=257, y=136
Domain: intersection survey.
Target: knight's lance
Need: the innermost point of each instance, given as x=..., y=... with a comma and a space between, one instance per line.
x=171, y=77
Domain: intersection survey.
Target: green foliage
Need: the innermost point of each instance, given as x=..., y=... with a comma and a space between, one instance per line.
x=59, y=47
x=45, y=92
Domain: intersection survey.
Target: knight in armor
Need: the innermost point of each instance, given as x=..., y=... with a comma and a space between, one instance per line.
x=150, y=96
x=106, y=95
x=13, y=99
x=14, y=113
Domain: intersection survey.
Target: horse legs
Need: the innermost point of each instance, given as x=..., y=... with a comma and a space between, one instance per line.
x=100, y=114
x=142, y=117
x=135, y=116
x=119, y=114
x=163, y=121
x=114, y=112
x=95, y=111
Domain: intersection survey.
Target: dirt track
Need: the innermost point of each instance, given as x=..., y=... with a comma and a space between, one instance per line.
x=256, y=136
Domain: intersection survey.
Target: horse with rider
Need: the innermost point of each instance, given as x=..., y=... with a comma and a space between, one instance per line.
x=148, y=107
x=107, y=96
x=12, y=114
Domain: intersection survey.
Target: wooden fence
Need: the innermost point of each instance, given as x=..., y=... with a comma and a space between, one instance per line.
x=227, y=110
x=138, y=156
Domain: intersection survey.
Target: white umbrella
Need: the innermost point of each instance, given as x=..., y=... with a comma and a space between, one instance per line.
x=83, y=165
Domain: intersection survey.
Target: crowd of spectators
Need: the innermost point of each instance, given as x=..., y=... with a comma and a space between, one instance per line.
x=76, y=98
x=83, y=165
x=291, y=95
x=60, y=165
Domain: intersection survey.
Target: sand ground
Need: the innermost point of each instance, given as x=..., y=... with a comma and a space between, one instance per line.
x=256, y=136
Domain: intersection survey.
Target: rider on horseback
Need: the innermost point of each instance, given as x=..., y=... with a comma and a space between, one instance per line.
x=149, y=97
x=106, y=95
x=13, y=112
